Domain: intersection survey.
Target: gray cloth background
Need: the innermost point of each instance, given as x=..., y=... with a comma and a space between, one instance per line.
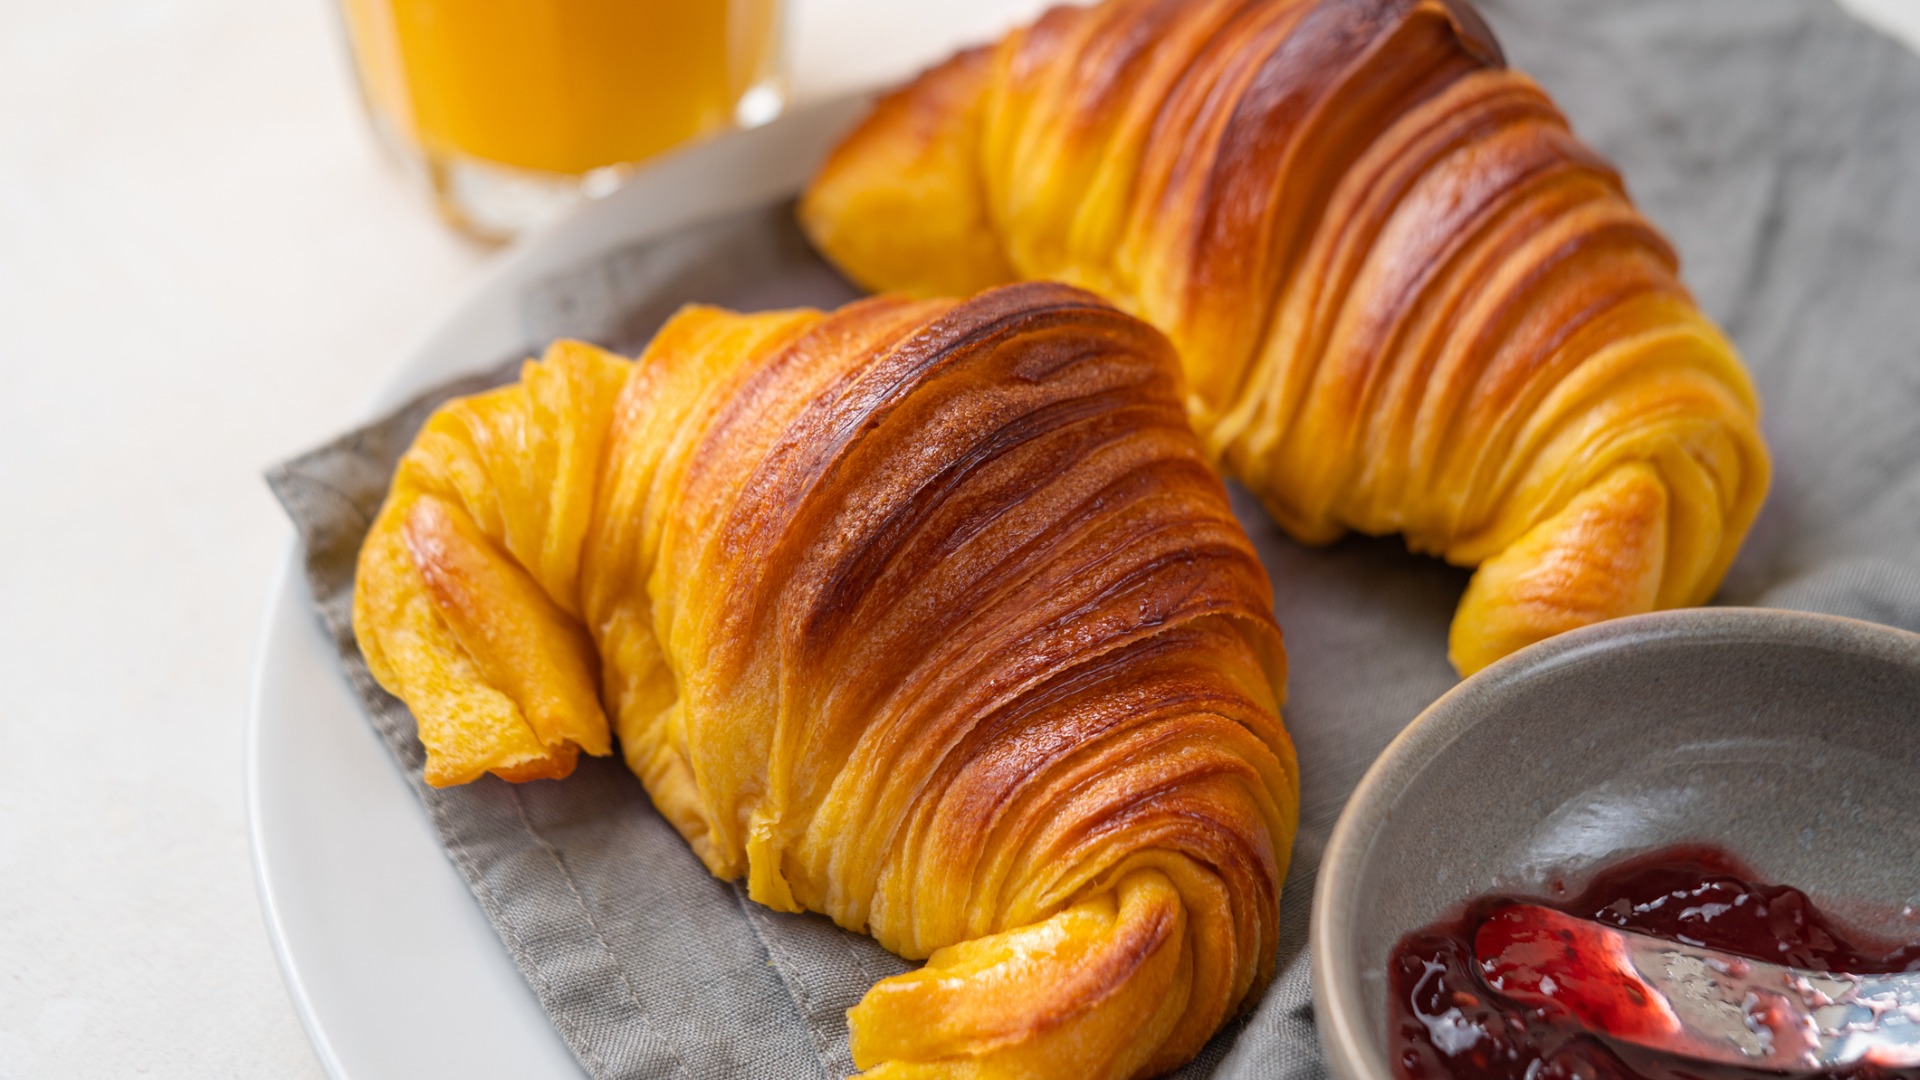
x=1776, y=141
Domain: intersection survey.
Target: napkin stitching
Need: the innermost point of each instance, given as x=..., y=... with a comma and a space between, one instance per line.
x=797, y=988
x=523, y=955
x=599, y=936
x=860, y=961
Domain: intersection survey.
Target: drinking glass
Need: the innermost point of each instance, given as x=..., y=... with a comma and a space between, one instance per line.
x=514, y=109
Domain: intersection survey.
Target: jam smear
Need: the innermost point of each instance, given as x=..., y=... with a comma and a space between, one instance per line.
x=1453, y=1018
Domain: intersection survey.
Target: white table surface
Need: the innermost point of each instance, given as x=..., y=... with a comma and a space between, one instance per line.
x=204, y=267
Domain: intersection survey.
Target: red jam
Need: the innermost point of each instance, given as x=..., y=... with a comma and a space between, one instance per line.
x=1449, y=1021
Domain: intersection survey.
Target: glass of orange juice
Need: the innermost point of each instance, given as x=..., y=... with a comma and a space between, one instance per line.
x=514, y=109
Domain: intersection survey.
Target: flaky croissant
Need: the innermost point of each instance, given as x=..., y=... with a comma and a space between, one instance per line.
x=1407, y=299
x=931, y=617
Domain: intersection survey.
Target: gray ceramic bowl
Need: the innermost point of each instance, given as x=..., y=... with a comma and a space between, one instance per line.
x=1791, y=740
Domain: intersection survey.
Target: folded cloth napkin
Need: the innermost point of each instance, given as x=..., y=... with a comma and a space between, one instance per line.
x=1778, y=143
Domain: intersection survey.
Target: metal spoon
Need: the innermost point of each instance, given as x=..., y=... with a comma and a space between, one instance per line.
x=1699, y=1003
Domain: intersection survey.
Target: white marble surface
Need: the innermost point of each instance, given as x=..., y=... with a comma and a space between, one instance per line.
x=204, y=266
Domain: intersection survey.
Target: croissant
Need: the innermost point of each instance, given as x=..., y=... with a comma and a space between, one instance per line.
x=1406, y=297
x=928, y=616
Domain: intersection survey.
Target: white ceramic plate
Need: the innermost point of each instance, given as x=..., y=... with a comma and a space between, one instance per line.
x=392, y=966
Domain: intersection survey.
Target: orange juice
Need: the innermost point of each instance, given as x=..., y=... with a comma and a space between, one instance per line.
x=556, y=87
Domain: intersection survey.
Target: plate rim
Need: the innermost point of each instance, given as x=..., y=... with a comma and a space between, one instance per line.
x=263, y=886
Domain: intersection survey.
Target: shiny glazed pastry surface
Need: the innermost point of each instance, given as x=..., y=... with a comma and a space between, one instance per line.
x=1407, y=298
x=931, y=617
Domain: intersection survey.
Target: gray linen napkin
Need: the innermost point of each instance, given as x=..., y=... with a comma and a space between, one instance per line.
x=1777, y=142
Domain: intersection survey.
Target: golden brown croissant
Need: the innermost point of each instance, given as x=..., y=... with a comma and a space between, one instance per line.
x=1407, y=299
x=931, y=617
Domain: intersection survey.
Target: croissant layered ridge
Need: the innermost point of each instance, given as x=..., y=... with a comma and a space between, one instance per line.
x=931, y=617
x=1407, y=298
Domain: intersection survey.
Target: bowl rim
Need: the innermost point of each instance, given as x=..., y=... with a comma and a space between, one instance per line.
x=1338, y=1003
